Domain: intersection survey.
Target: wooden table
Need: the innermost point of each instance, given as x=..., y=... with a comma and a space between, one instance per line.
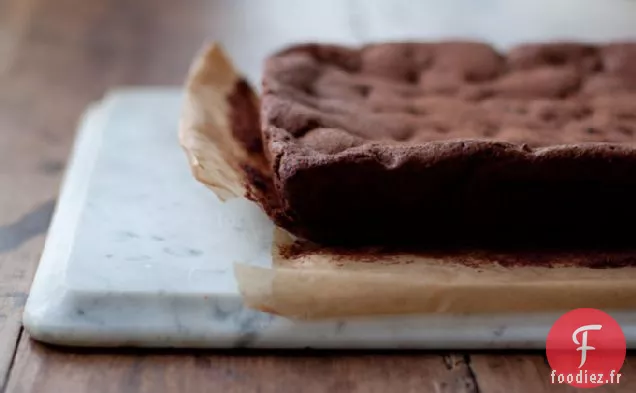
x=55, y=58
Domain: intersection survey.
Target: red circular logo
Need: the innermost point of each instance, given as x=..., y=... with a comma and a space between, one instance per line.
x=586, y=348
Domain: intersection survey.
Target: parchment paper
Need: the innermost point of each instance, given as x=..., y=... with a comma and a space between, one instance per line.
x=318, y=283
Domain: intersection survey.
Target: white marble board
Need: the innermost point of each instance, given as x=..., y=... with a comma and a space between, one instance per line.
x=139, y=253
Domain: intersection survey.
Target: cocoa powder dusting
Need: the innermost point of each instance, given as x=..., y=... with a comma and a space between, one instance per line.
x=475, y=258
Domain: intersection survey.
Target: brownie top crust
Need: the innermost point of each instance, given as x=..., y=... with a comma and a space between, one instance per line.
x=333, y=98
x=366, y=144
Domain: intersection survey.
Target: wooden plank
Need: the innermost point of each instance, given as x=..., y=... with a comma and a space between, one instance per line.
x=55, y=58
x=27, y=189
x=532, y=373
x=514, y=373
x=15, y=278
x=41, y=369
x=14, y=19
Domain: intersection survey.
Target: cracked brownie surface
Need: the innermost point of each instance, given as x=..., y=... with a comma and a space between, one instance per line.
x=452, y=142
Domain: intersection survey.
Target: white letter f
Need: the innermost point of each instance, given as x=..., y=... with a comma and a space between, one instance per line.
x=584, y=347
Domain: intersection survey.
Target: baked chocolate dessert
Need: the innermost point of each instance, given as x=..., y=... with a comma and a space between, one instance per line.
x=453, y=143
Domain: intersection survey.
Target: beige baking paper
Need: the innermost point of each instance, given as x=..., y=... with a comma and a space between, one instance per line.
x=323, y=284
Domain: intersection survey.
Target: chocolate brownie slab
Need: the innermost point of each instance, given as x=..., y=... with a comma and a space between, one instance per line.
x=453, y=142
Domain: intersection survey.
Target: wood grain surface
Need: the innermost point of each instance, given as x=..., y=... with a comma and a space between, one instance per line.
x=55, y=58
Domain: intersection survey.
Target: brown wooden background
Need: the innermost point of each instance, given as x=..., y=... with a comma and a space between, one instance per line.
x=55, y=58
